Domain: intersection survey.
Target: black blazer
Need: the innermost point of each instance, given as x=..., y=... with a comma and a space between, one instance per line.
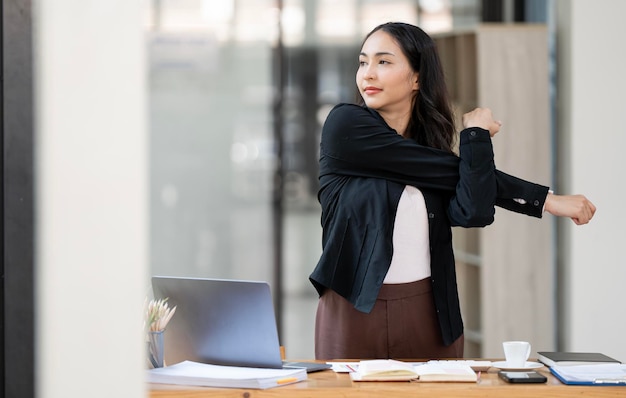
x=364, y=166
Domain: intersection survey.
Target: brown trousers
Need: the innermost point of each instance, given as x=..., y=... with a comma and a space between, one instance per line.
x=402, y=325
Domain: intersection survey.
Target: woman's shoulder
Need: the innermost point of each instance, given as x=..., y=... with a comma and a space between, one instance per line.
x=346, y=109
x=345, y=114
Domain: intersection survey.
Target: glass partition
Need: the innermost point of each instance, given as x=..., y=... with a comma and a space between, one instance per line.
x=213, y=151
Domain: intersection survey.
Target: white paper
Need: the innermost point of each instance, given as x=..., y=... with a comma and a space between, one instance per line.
x=592, y=373
x=200, y=374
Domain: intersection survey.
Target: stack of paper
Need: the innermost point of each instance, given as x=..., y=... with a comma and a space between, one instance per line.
x=199, y=374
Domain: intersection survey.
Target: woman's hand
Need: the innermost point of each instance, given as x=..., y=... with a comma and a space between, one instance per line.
x=576, y=207
x=482, y=117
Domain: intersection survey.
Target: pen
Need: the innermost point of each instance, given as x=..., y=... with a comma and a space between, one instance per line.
x=287, y=380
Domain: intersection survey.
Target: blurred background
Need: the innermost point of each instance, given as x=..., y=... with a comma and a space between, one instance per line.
x=180, y=137
x=238, y=91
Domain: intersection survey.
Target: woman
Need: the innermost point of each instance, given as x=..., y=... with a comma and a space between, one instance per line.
x=390, y=189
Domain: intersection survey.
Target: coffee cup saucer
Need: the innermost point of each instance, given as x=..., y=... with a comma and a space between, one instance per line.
x=529, y=365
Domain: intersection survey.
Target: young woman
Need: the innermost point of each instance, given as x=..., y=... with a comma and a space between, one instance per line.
x=391, y=187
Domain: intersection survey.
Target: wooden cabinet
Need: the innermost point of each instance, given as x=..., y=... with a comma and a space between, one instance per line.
x=506, y=271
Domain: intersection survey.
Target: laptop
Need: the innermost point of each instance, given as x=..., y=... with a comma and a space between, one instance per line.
x=222, y=322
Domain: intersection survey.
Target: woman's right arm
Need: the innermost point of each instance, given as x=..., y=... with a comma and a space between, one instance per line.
x=357, y=142
x=577, y=207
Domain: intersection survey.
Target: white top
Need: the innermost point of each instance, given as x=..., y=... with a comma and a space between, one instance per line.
x=411, y=253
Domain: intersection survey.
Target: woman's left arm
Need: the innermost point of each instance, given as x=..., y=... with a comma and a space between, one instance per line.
x=473, y=203
x=526, y=197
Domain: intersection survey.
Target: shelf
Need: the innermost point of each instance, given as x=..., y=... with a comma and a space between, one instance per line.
x=505, y=271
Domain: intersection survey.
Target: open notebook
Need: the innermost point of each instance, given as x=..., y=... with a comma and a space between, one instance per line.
x=222, y=322
x=392, y=370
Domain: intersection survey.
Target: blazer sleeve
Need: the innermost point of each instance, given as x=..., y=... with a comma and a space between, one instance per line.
x=473, y=203
x=356, y=142
x=511, y=188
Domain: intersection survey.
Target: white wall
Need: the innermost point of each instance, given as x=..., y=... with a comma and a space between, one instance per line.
x=91, y=198
x=592, y=138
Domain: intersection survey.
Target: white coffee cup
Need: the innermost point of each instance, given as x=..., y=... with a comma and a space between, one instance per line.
x=516, y=353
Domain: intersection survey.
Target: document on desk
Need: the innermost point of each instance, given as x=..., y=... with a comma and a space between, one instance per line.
x=591, y=375
x=200, y=374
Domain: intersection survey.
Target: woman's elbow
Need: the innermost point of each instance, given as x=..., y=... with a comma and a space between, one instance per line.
x=482, y=220
x=472, y=219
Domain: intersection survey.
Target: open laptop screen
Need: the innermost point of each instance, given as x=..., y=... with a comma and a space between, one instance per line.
x=219, y=321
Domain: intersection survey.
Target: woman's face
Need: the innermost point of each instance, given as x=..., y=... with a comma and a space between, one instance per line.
x=385, y=78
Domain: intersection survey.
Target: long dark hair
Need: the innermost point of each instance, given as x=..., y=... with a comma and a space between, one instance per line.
x=432, y=120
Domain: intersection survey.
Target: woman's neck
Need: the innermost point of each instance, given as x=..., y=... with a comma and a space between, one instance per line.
x=397, y=121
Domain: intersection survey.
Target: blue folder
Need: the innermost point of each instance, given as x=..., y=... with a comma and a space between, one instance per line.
x=615, y=375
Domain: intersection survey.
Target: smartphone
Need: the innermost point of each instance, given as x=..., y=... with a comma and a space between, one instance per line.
x=522, y=377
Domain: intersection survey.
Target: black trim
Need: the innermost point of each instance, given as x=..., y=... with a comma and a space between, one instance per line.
x=519, y=11
x=492, y=11
x=2, y=367
x=18, y=228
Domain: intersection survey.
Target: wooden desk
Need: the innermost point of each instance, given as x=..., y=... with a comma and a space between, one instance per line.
x=328, y=384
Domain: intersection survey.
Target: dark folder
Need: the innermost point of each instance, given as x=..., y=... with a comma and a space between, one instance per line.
x=553, y=358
